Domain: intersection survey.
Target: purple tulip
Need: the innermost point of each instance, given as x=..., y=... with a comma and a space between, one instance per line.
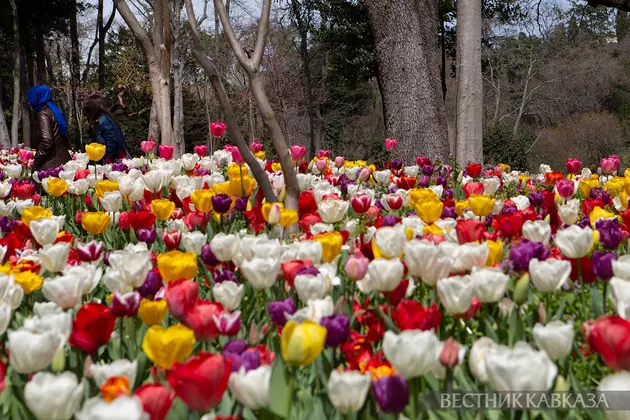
x=521, y=254
x=337, y=329
x=147, y=235
x=207, y=256
x=598, y=192
x=424, y=181
x=241, y=204
x=152, y=284
x=392, y=393
x=307, y=271
x=224, y=275
x=119, y=167
x=250, y=360
x=449, y=213
x=440, y=180
x=602, y=264
x=396, y=164
x=389, y=220
x=221, y=203
x=584, y=222
x=236, y=346
x=536, y=198
x=427, y=170
x=447, y=193
x=609, y=233
x=279, y=309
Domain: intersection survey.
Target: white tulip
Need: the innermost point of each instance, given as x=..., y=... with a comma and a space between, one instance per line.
x=59, y=323
x=123, y=367
x=466, y=256
x=391, y=240
x=311, y=287
x=620, y=296
x=42, y=309
x=111, y=201
x=305, y=181
x=412, y=171
x=5, y=189
x=537, y=231
x=229, y=294
x=251, y=388
x=128, y=268
x=574, y=242
x=456, y=293
x=189, y=160
x=224, y=246
x=490, y=185
x=412, y=352
x=332, y=210
x=570, y=212
x=53, y=397
x=427, y=261
x=261, y=272
x=348, y=390
x=5, y=316
x=382, y=177
x=32, y=351
x=89, y=274
x=122, y=408
x=66, y=291
x=7, y=208
x=521, y=202
x=556, y=338
x=615, y=387
x=549, y=275
x=621, y=267
x=194, y=241
x=387, y=274
x=477, y=358
x=489, y=284
x=78, y=187
x=54, y=257
x=314, y=311
x=520, y=368
x=44, y=231
x=10, y=292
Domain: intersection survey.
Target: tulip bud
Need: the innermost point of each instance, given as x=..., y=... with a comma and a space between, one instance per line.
x=339, y=161
x=460, y=177
x=561, y=384
x=364, y=175
x=59, y=362
x=274, y=215
x=520, y=290
x=87, y=367
x=542, y=316
x=449, y=357
x=357, y=266
x=321, y=164
x=253, y=336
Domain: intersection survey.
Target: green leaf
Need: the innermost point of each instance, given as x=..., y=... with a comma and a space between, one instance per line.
x=560, y=312
x=282, y=395
x=388, y=321
x=515, y=330
x=598, y=299
x=317, y=411
x=490, y=331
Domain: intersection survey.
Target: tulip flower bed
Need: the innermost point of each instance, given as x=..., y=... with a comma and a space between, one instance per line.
x=163, y=288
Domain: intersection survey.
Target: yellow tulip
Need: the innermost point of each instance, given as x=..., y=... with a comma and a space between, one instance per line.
x=236, y=171
x=481, y=205
x=418, y=195
x=95, y=151
x=331, y=244
x=35, y=213
x=163, y=209
x=222, y=188
x=505, y=167
x=585, y=185
x=432, y=229
x=95, y=222
x=28, y=281
x=595, y=238
x=288, y=218
x=460, y=206
x=104, y=186
x=410, y=233
x=302, y=343
x=626, y=173
x=56, y=186
x=429, y=210
x=599, y=213
x=202, y=200
x=614, y=186
x=175, y=265
x=165, y=347
x=276, y=167
x=152, y=312
x=271, y=212
x=261, y=155
x=241, y=187
x=495, y=252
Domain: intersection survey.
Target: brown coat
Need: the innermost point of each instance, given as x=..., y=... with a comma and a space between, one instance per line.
x=52, y=146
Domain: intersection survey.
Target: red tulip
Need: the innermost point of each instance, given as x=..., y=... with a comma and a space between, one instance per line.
x=307, y=203
x=200, y=318
x=361, y=203
x=406, y=182
x=469, y=231
x=81, y=174
x=201, y=150
x=255, y=146
x=22, y=190
x=474, y=169
x=291, y=269
x=552, y=177
x=509, y=225
x=180, y=295
x=166, y=151
x=474, y=308
x=309, y=220
x=201, y=381
x=172, y=238
x=573, y=165
x=228, y=323
x=423, y=160
x=411, y=315
x=390, y=144
x=586, y=269
x=473, y=188
x=142, y=219
x=394, y=201
x=156, y=400
x=92, y=327
x=217, y=129
x=610, y=338
x=589, y=205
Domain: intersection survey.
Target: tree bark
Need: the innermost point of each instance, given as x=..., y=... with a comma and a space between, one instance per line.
x=469, y=83
x=406, y=52
x=232, y=125
x=15, y=117
x=178, y=73
x=74, y=74
x=26, y=109
x=154, y=124
x=40, y=56
x=5, y=137
x=618, y=4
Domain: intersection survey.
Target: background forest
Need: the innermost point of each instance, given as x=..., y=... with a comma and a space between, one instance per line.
x=556, y=80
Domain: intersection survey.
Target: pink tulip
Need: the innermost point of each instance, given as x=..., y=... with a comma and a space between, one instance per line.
x=217, y=129
x=364, y=175
x=255, y=146
x=566, y=188
x=339, y=161
x=166, y=151
x=25, y=155
x=201, y=150
x=610, y=164
x=323, y=153
x=390, y=144
x=148, y=146
x=357, y=266
x=321, y=164
x=236, y=156
x=573, y=165
x=394, y=201
x=361, y=203
x=297, y=152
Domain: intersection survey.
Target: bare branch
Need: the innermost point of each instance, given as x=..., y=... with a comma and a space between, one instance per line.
x=137, y=29
x=231, y=36
x=261, y=37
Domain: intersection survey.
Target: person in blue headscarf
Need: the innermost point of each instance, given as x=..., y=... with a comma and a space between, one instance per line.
x=50, y=136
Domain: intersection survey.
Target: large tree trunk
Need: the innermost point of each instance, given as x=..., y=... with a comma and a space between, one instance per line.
x=40, y=54
x=405, y=35
x=25, y=82
x=15, y=117
x=178, y=74
x=154, y=124
x=74, y=75
x=469, y=83
x=5, y=137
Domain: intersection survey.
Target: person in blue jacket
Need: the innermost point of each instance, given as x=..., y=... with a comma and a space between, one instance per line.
x=106, y=130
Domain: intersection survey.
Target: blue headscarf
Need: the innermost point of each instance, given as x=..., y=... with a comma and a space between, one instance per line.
x=40, y=96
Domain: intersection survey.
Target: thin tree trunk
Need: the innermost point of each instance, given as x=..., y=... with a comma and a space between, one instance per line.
x=74, y=74
x=26, y=109
x=524, y=97
x=100, y=37
x=443, y=66
x=251, y=119
x=178, y=72
x=154, y=124
x=406, y=51
x=15, y=117
x=5, y=137
x=469, y=83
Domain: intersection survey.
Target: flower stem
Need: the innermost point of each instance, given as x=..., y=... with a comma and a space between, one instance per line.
x=121, y=333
